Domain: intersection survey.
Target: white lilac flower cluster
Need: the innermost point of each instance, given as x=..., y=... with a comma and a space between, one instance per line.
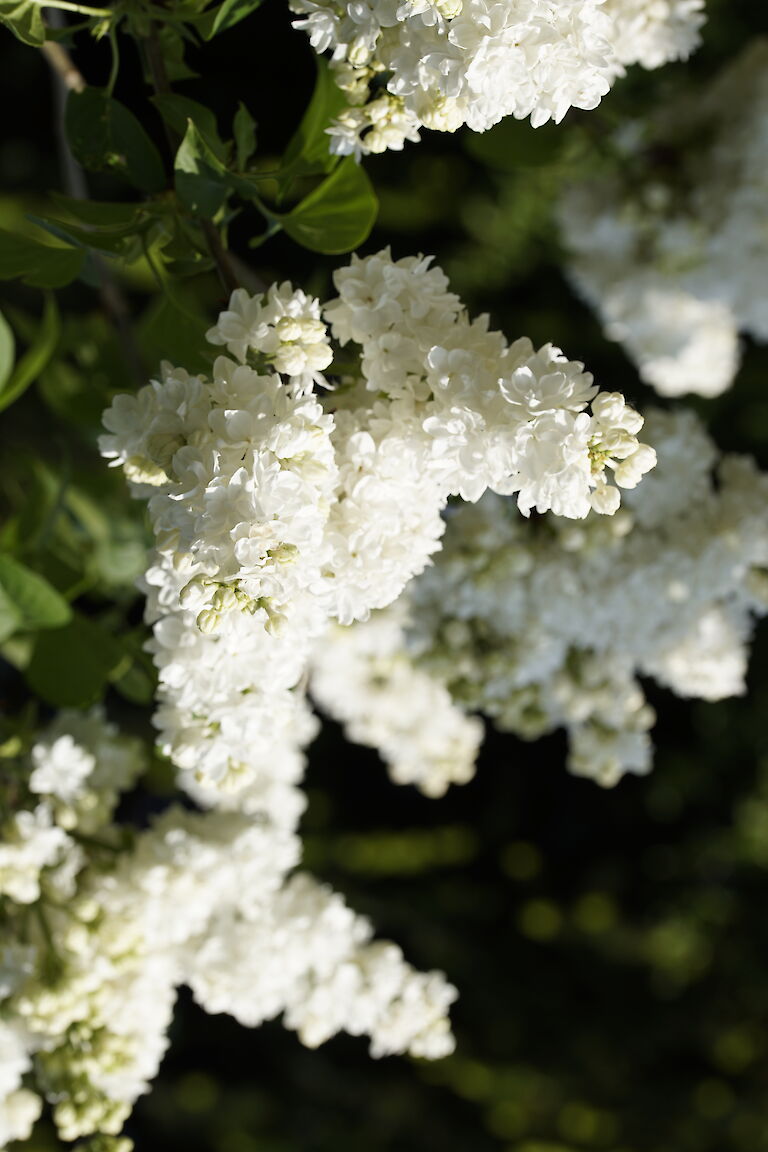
x=19, y=1107
x=365, y=678
x=101, y=928
x=408, y=64
x=549, y=624
x=655, y=32
x=675, y=260
x=277, y=508
x=58, y=796
x=73, y=778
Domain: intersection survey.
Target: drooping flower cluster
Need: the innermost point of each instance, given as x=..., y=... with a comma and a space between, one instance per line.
x=549, y=624
x=408, y=64
x=675, y=261
x=100, y=929
x=365, y=678
x=276, y=508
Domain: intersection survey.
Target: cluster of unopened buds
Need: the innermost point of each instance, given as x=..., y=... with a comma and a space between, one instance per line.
x=616, y=440
x=221, y=598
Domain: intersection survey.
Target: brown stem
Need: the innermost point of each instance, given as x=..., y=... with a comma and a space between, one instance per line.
x=156, y=62
x=227, y=274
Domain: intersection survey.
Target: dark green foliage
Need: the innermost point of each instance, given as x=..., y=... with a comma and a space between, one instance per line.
x=28, y=603
x=104, y=135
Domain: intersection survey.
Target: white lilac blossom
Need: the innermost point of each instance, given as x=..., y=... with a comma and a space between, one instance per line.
x=326, y=976
x=74, y=772
x=277, y=508
x=363, y=677
x=286, y=328
x=82, y=763
x=654, y=32
x=549, y=624
x=211, y=900
x=408, y=64
x=444, y=406
x=675, y=261
x=31, y=843
x=279, y=512
x=197, y=892
x=19, y=1108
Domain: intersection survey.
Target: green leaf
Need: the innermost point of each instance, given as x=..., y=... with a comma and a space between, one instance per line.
x=25, y=20
x=225, y=16
x=10, y=617
x=308, y=150
x=166, y=332
x=98, y=213
x=116, y=229
x=31, y=599
x=88, y=369
x=202, y=181
x=338, y=215
x=36, y=357
x=244, y=131
x=123, y=239
x=7, y=351
x=105, y=136
x=177, y=111
x=40, y=265
x=139, y=682
x=173, y=42
x=71, y=666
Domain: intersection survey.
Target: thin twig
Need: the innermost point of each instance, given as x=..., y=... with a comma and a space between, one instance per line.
x=67, y=78
x=61, y=62
x=227, y=274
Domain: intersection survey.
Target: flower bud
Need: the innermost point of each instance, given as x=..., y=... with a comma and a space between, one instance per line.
x=208, y=621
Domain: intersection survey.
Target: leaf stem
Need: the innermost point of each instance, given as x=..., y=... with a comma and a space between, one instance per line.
x=66, y=6
x=115, y=60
